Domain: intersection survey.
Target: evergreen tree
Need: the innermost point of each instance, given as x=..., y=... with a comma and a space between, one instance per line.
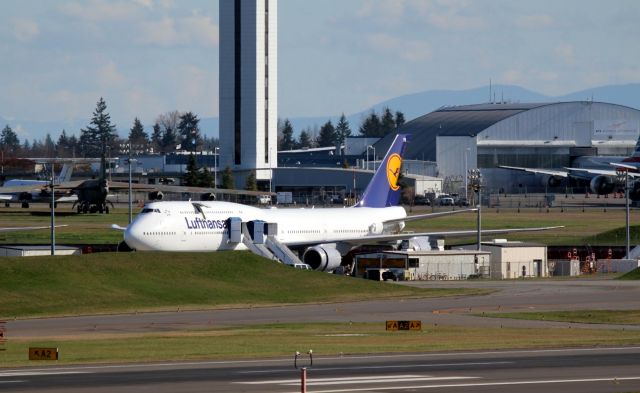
x=62, y=146
x=9, y=142
x=327, y=135
x=138, y=138
x=399, y=119
x=49, y=146
x=371, y=126
x=206, y=178
x=26, y=147
x=252, y=184
x=287, y=142
x=156, y=138
x=168, y=140
x=343, y=131
x=73, y=145
x=192, y=177
x=388, y=123
x=305, y=140
x=228, y=181
x=189, y=132
x=100, y=134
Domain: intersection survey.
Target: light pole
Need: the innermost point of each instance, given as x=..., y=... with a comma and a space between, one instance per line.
x=466, y=184
x=374, y=157
x=622, y=176
x=53, y=213
x=475, y=178
x=215, y=167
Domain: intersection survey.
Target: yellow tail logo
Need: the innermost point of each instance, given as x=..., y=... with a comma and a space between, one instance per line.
x=393, y=171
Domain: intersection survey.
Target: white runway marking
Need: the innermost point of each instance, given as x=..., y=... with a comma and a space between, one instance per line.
x=378, y=367
x=352, y=380
x=479, y=384
x=38, y=372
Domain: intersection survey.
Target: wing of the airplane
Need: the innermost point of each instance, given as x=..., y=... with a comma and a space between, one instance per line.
x=378, y=239
x=550, y=172
x=428, y=215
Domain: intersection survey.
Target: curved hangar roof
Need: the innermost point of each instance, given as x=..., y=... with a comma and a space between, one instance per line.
x=534, y=120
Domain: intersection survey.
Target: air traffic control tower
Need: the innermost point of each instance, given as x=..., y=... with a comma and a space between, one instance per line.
x=248, y=88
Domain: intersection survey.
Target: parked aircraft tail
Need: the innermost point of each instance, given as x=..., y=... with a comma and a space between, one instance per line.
x=65, y=173
x=383, y=189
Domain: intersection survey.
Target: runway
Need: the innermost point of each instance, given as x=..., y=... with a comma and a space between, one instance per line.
x=508, y=296
x=556, y=370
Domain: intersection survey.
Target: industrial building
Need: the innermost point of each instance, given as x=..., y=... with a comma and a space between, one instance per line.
x=510, y=259
x=534, y=135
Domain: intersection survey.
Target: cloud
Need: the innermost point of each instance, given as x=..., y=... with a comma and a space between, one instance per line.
x=382, y=11
x=533, y=21
x=109, y=76
x=565, y=52
x=25, y=30
x=101, y=10
x=391, y=46
x=193, y=30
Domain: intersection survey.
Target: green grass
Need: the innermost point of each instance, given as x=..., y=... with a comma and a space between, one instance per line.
x=621, y=317
x=632, y=275
x=325, y=339
x=594, y=226
x=122, y=282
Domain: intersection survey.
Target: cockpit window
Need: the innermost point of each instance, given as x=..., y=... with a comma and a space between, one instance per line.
x=149, y=210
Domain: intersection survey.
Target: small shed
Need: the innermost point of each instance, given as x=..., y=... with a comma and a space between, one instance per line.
x=34, y=251
x=514, y=259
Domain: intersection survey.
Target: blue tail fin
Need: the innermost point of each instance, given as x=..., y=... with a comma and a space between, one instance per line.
x=383, y=189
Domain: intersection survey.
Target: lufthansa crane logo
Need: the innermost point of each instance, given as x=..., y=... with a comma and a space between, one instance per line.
x=393, y=171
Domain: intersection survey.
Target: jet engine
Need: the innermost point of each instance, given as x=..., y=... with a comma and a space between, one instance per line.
x=25, y=196
x=208, y=196
x=552, y=181
x=602, y=185
x=323, y=257
x=156, y=196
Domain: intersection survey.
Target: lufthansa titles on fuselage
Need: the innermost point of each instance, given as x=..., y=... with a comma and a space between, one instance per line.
x=201, y=223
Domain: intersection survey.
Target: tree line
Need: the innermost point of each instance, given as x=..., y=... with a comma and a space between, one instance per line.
x=374, y=125
x=171, y=131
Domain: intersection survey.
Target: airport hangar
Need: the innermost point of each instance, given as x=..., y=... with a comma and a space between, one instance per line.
x=534, y=135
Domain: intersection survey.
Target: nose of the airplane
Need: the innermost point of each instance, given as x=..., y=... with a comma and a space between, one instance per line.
x=134, y=238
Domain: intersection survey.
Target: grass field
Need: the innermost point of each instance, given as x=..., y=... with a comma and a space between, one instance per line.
x=123, y=282
x=325, y=339
x=621, y=317
x=594, y=226
x=632, y=275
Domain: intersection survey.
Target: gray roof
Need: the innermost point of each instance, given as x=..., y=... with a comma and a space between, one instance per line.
x=465, y=120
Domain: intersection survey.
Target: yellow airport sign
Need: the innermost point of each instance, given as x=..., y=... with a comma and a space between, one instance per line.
x=404, y=325
x=43, y=353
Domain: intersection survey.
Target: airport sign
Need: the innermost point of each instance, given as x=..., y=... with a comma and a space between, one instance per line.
x=43, y=353
x=404, y=325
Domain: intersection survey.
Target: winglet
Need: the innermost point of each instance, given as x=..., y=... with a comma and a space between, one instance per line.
x=383, y=189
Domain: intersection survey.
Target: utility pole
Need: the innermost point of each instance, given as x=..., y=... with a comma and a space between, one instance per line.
x=475, y=178
x=53, y=212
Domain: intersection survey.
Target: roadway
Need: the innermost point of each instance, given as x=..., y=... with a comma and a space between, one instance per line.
x=558, y=370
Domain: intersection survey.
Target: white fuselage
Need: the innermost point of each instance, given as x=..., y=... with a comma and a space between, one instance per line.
x=181, y=226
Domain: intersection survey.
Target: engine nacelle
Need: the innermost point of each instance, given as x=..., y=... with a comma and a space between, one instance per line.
x=323, y=257
x=602, y=185
x=156, y=196
x=208, y=196
x=25, y=196
x=552, y=181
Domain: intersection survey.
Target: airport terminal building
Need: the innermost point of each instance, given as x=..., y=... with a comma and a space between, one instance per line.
x=534, y=135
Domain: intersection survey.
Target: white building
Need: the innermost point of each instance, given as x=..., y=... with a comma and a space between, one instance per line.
x=248, y=87
x=511, y=259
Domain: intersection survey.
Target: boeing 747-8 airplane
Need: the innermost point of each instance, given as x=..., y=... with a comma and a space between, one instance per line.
x=322, y=236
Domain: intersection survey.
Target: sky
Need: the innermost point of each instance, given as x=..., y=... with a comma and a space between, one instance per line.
x=147, y=57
